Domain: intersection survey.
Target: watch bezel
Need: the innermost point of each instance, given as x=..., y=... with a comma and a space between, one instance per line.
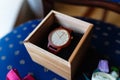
x=50, y=43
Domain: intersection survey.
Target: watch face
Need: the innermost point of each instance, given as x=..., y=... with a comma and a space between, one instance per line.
x=60, y=37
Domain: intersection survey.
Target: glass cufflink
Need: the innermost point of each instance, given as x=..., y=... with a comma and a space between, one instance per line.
x=103, y=66
x=103, y=73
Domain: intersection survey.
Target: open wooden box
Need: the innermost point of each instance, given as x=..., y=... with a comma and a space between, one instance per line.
x=36, y=40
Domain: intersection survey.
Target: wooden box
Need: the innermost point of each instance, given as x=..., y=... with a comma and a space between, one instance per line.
x=35, y=41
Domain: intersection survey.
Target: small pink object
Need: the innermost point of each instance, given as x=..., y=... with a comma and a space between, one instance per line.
x=28, y=77
x=13, y=75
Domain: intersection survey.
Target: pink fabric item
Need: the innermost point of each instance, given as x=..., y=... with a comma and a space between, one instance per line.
x=28, y=77
x=13, y=75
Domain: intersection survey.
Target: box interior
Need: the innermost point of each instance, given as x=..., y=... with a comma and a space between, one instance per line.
x=40, y=37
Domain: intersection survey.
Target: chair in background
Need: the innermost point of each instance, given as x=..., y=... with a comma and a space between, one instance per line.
x=92, y=4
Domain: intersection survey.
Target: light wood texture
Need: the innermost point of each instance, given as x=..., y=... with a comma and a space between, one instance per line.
x=64, y=68
x=101, y=10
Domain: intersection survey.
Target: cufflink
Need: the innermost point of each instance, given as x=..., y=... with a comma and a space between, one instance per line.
x=103, y=66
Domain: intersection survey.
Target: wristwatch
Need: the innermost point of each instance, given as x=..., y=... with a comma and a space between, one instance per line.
x=58, y=39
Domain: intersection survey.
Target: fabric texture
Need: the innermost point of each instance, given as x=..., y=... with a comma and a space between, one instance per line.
x=105, y=41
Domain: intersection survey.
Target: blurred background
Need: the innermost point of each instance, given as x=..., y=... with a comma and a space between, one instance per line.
x=16, y=12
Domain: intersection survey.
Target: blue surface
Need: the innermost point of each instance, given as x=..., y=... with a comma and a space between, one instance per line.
x=13, y=54
x=117, y=1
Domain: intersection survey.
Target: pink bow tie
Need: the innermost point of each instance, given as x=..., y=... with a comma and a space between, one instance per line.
x=14, y=75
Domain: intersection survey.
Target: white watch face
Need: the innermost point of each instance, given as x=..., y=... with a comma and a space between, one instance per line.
x=60, y=37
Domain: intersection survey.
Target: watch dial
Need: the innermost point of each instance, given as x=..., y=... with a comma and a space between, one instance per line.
x=60, y=37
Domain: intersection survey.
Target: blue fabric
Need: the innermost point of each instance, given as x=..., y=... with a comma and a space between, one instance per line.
x=105, y=40
x=117, y=1
x=14, y=55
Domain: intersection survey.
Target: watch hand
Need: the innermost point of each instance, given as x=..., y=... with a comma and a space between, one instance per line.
x=62, y=34
x=58, y=34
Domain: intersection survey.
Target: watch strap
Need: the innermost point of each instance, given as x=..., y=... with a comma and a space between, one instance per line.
x=53, y=49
